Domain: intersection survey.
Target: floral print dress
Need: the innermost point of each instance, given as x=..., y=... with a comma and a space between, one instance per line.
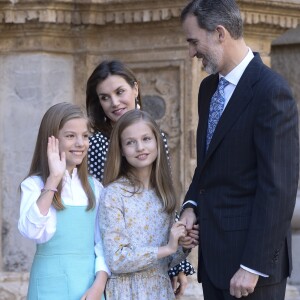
x=133, y=226
x=96, y=160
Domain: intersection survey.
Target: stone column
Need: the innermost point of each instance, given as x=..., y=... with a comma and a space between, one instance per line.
x=31, y=83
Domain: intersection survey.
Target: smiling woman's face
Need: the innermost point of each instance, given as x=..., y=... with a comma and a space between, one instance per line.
x=116, y=96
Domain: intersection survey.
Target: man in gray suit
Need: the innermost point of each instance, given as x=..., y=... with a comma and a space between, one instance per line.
x=244, y=187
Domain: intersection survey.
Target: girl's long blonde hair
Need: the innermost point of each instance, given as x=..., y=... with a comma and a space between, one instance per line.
x=54, y=120
x=117, y=166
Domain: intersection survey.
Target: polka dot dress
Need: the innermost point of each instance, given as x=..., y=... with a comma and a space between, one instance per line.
x=96, y=161
x=97, y=154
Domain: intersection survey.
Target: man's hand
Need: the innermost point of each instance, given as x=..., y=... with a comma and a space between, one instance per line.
x=243, y=283
x=191, y=240
x=194, y=234
x=188, y=217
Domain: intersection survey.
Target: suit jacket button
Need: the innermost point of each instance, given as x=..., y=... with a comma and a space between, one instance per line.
x=201, y=191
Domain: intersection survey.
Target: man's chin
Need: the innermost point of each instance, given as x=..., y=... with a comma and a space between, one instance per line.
x=209, y=69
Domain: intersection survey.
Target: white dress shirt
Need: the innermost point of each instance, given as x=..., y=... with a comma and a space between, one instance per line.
x=33, y=225
x=235, y=75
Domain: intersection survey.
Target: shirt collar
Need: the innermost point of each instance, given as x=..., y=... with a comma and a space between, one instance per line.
x=235, y=75
x=68, y=175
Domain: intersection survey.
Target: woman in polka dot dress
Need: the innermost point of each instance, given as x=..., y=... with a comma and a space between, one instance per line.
x=112, y=90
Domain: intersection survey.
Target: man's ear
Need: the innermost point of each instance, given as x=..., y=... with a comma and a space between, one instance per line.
x=221, y=32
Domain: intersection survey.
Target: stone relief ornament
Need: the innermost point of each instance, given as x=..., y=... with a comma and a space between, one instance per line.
x=160, y=95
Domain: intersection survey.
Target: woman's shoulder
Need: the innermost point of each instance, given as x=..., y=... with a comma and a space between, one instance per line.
x=98, y=137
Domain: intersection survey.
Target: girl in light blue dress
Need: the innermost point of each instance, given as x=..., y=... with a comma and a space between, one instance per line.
x=59, y=204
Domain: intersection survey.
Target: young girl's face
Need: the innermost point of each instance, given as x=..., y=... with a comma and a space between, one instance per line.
x=116, y=96
x=139, y=145
x=74, y=141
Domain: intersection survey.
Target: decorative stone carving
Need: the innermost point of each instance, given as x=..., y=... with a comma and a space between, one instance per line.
x=279, y=13
x=13, y=286
x=155, y=105
x=161, y=82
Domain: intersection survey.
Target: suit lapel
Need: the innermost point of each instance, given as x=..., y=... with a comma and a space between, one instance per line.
x=204, y=104
x=239, y=100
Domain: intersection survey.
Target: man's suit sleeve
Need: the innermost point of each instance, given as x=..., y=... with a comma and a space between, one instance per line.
x=277, y=149
x=192, y=191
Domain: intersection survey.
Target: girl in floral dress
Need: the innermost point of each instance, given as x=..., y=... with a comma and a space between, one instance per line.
x=136, y=209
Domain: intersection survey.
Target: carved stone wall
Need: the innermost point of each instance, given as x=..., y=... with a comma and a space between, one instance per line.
x=31, y=83
x=49, y=48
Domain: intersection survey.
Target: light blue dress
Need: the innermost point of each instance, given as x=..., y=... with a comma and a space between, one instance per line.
x=63, y=268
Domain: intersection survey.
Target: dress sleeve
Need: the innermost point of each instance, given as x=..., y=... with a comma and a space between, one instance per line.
x=100, y=264
x=120, y=253
x=185, y=266
x=32, y=224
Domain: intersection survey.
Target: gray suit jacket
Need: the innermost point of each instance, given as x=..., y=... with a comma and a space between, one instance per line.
x=245, y=184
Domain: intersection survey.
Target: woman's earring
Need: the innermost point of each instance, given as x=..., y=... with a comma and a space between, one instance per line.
x=137, y=106
x=105, y=119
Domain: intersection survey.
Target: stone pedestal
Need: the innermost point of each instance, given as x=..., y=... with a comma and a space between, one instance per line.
x=13, y=286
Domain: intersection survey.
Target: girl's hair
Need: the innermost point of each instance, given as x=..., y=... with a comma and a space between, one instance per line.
x=117, y=166
x=94, y=109
x=53, y=121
